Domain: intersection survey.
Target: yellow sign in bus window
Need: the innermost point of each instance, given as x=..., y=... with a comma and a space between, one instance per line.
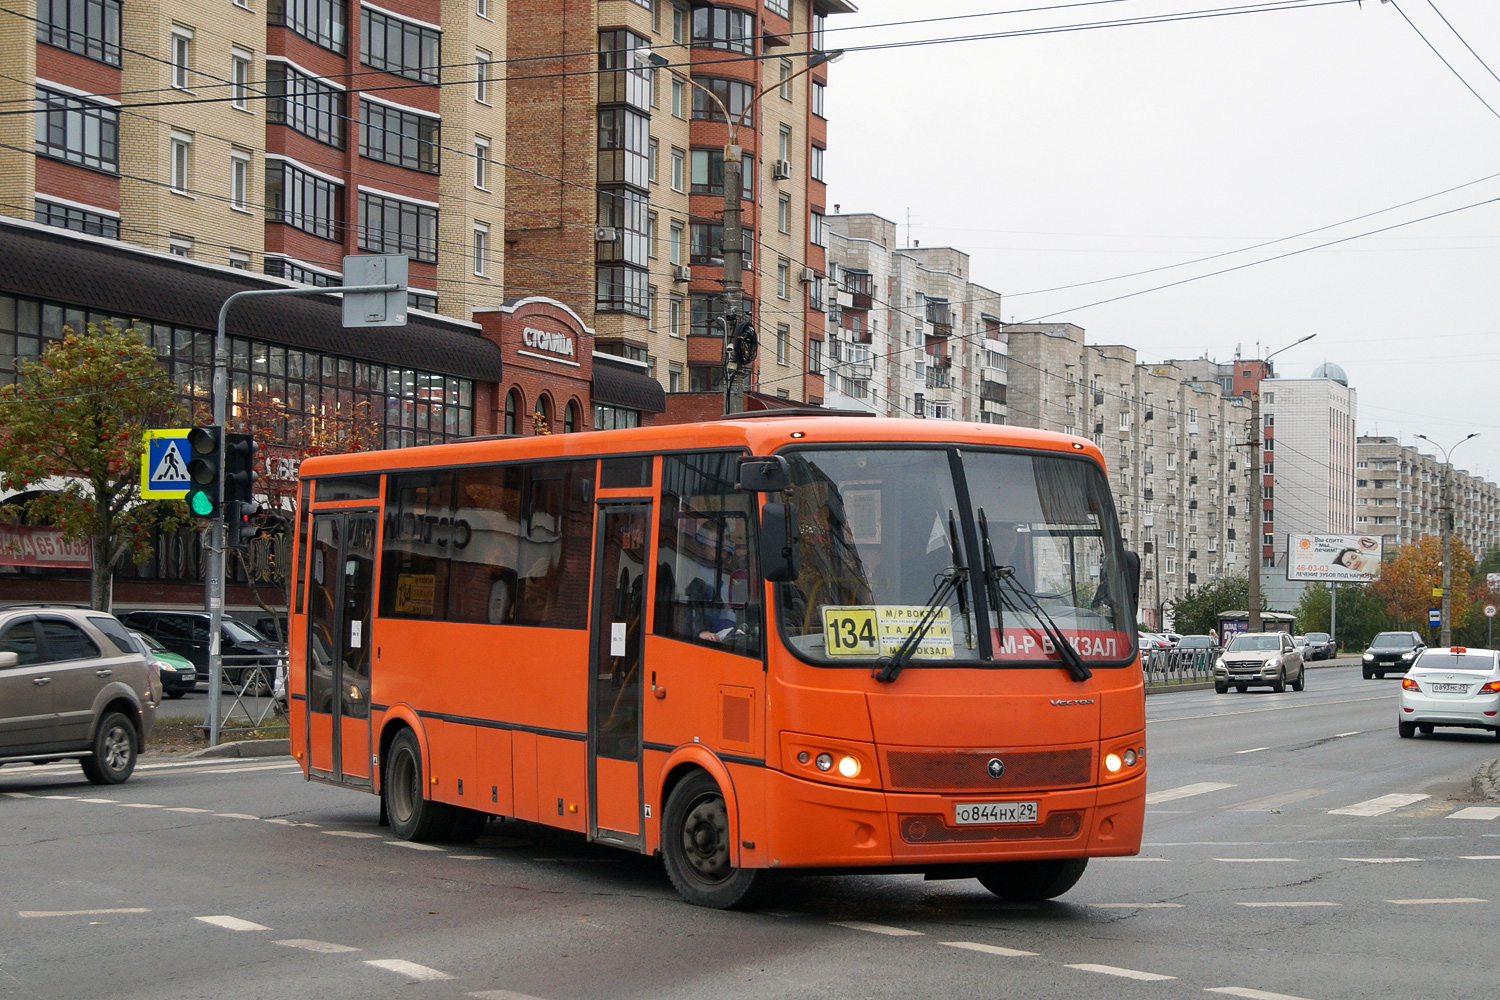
x=880, y=630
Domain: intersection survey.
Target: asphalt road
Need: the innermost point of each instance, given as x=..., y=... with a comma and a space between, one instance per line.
x=1295, y=847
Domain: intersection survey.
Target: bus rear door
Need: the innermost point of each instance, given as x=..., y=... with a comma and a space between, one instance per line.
x=340, y=577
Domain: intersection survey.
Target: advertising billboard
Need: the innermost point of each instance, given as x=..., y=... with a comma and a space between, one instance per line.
x=1333, y=558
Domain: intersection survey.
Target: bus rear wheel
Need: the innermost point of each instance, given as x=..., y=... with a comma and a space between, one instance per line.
x=412, y=816
x=695, y=847
x=1033, y=881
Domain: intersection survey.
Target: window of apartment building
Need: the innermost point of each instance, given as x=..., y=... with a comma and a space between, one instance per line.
x=674, y=377
x=705, y=311
x=734, y=96
x=679, y=97
x=400, y=136
x=388, y=224
x=78, y=131
x=624, y=76
x=425, y=301
x=240, y=62
x=653, y=157
x=814, y=293
x=783, y=343
x=784, y=213
x=674, y=244
x=819, y=28
x=624, y=147
x=782, y=7
x=1171, y=537
x=674, y=317
x=179, y=161
x=239, y=180
x=783, y=279
x=397, y=45
x=620, y=288
x=679, y=170
x=651, y=315
x=482, y=61
x=680, y=18
x=303, y=200
x=703, y=378
x=91, y=28
x=784, y=76
x=294, y=270
x=724, y=28
x=239, y=260
x=708, y=172
x=817, y=99
x=784, y=143
x=815, y=163
x=815, y=356
x=322, y=22
x=312, y=106
x=481, y=163
x=481, y=249
x=182, y=55
x=817, y=233
x=76, y=218
x=707, y=246
x=179, y=245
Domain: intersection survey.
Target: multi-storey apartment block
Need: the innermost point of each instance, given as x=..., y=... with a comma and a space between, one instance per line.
x=1398, y=495
x=908, y=333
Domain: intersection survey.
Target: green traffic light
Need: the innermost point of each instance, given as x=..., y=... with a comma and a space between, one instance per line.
x=200, y=503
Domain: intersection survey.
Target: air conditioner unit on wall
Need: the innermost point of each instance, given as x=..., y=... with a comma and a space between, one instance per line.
x=808, y=274
x=606, y=234
x=781, y=169
x=681, y=272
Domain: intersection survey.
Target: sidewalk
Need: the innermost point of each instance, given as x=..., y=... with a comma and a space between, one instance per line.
x=1346, y=660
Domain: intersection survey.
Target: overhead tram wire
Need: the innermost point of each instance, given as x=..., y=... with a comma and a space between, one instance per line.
x=1466, y=45
x=1451, y=68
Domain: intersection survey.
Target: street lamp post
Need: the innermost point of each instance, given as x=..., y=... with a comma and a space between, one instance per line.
x=1446, y=525
x=1256, y=492
x=739, y=349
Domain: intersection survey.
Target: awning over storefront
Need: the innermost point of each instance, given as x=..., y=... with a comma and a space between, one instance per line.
x=126, y=281
x=620, y=383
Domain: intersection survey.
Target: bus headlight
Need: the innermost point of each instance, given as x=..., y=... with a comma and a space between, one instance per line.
x=824, y=761
x=849, y=767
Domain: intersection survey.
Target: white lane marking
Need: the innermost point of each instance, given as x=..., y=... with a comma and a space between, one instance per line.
x=1481, y=857
x=1339, y=736
x=989, y=949
x=321, y=947
x=471, y=857
x=1304, y=903
x=233, y=923
x=1135, y=906
x=1434, y=902
x=501, y=995
x=1252, y=750
x=18, y=795
x=1380, y=806
x=279, y=821
x=236, y=816
x=860, y=925
x=350, y=833
x=57, y=796
x=1111, y=970
x=1246, y=861
x=1380, y=861
x=186, y=809
x=1476, y=812
x=1249, y=994
x=1185, y=791
x=103, y=802
x=135, y=805
x=1279, y=799
x=26, y=914
x=414, y=846
x=1097, y=860
x=410, y=970
x=245, y=770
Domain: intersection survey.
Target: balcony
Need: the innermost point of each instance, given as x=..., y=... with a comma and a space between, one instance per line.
x=859, y=285
x=940, y=317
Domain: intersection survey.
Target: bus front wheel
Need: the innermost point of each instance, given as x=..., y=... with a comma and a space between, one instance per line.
x=412, y=816
x=695, y=847
x=1033, y=881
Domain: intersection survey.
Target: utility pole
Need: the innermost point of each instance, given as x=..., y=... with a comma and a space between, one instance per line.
x=1445, y=525
x=734, y=290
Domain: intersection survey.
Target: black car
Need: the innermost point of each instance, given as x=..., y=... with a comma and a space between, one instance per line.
x=1391, y=652
x=186, y=633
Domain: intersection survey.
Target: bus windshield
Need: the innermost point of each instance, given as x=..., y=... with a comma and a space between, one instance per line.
x=881, y=529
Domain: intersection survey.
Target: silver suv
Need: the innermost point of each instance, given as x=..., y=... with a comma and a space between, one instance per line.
x=73, y=685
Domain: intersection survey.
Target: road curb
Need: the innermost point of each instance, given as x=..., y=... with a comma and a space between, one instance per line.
x=244, y=748
x=1487, y=781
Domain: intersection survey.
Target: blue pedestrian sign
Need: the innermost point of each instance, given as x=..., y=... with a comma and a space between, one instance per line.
x=164, y=464
x=1434, y=617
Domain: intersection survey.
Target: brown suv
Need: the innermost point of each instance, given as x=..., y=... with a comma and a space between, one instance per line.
x=72, y=685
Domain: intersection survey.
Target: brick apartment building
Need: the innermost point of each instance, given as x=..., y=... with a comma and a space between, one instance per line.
x=1398, y=495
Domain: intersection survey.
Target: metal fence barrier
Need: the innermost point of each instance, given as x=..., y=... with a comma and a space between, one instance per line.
x=1180, y=666
x=254, y=694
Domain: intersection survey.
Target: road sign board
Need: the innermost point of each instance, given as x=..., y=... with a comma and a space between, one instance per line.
x=1492, y=580
x=1489, y=611
x=1434, y=617
x=164, y=464
x=384, y=308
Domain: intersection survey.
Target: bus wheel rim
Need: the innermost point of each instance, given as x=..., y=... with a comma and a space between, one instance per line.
x=403, y=786
x=705, y=839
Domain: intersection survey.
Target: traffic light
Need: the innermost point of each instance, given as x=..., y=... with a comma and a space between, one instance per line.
x=206, y=494
x=239, y=522
x=239, y=467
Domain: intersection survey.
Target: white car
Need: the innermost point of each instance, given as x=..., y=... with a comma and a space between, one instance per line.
x=1450, y=687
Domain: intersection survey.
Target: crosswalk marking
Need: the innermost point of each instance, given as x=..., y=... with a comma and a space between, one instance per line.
x=1185, y=791
x=1250, y=994
x=414, y=846
x=409, y=969
x=1279, y=799
x=1477, y=812
x=351, y=833
x=233, y=923
x=860, y=925
x=989, y=949
x=321, y=947
x=1114, y=970
x=1381, y=805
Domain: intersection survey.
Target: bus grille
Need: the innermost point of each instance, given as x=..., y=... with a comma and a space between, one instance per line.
x=932, y=830
x=957, y=770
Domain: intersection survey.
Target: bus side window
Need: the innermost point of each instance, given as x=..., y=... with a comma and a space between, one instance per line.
x=487, y=545
x=708, y=588
x=418, y=539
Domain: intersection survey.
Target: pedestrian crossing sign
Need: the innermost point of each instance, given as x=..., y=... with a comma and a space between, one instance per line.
x=164, y=464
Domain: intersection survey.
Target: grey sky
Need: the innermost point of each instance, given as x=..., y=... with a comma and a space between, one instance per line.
x=1063, y=158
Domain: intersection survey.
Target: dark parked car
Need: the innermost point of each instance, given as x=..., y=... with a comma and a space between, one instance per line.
x=1391, y=652
x=186, y=633
x=1319, y=646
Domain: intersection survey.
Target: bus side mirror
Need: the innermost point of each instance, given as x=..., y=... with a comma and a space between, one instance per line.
x=764, y=474
x=778, y=542
x=1133, y=577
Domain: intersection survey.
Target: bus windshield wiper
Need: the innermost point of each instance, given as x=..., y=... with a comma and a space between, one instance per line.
x=955, y=577
x=991, y=574
x=1025, y=601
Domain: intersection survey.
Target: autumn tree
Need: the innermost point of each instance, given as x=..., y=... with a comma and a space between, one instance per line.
x=1409, y=576
x=76, y=415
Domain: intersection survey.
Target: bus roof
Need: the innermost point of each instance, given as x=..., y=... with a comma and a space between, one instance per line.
x=761, y=435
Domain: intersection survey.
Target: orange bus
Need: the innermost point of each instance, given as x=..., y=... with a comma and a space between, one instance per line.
x=779, y=641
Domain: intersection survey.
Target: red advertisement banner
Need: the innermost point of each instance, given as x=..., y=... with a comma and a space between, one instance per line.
x=1033, y=644
x=24, y=545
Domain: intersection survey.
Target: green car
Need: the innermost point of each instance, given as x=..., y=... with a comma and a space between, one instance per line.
x=178, y=676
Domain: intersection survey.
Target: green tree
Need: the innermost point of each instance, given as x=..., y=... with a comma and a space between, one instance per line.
x=1197, y=610
x=1360, y=615
x=77, y=414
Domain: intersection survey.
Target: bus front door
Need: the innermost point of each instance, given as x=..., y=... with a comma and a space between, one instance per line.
x=622, y=533
x=341, y=574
